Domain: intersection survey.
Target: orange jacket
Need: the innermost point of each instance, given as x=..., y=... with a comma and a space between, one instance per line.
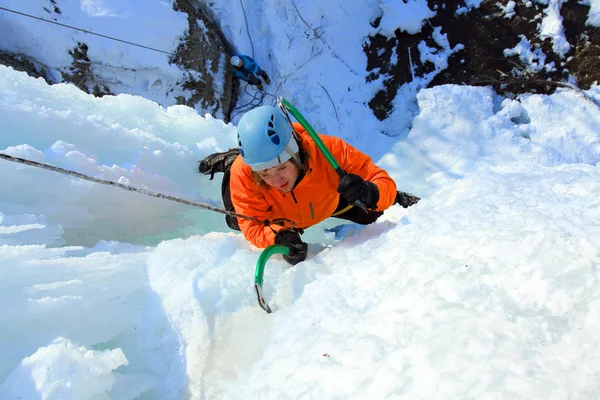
x=314, y=198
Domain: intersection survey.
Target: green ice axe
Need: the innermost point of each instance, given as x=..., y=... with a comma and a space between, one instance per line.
x=285, y=107
x=260, y=270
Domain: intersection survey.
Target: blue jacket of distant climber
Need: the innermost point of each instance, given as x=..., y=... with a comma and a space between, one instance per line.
x=250, y=67
x=246, y=69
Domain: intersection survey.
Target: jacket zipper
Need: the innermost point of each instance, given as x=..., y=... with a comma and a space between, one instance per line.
x=312, y=211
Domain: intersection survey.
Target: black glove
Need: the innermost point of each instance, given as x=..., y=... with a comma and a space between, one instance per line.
x=352, y=187
x=406, y=199
x=298, y=249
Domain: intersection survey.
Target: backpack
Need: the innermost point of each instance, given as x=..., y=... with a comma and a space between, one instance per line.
x=221, y=162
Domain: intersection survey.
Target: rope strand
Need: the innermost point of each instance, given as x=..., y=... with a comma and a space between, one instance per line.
x=247, y=27
x=83, y=30
x=257, y=100
x=122, y=186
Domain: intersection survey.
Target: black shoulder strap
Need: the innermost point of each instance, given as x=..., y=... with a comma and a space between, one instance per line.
x=218, y=162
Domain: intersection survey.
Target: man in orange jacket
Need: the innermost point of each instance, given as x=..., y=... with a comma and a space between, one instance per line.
x=282, y=175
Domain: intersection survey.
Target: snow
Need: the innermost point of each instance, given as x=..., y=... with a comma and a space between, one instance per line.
x=488, y=288
x=135, y=140
x=469, y=5
x=509, y=10
x=552, y=28
x=406, y=16
x=594, y=13
x=63, y=370
x=534, y=60
x=126, y=67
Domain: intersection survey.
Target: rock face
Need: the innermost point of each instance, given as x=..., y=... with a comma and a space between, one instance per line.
x=203, y=53
x=20, y=62
x=203, y=82
x=486, y=33
x=498, y=43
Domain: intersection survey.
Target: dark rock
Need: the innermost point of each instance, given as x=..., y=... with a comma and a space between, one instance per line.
x=20, y=62
x=485, y=33
x=198, y=49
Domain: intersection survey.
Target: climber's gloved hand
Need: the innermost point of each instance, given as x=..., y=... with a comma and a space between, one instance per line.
x=352, y=187
x=406, y=199
x=298, y=249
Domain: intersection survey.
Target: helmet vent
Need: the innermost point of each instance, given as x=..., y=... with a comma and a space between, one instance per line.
x=271, y=131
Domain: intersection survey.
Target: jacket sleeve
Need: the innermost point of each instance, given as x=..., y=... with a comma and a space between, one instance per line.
x=248, y=200
x=356, y=162
x=241, y=73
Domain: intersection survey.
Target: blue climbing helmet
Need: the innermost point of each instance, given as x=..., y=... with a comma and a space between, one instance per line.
x=265, y=138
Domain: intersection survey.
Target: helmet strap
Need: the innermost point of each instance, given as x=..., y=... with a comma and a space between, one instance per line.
x=295, y=156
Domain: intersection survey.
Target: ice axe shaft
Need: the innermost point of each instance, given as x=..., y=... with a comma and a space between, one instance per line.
x=260, y=271
x=286, y=106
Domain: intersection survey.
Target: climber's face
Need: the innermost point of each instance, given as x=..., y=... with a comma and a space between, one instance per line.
x=282, y=177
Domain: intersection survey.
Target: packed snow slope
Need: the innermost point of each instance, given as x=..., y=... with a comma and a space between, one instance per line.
x=487, y=289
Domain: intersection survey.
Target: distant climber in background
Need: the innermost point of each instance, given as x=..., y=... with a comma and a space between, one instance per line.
x=245, y=68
